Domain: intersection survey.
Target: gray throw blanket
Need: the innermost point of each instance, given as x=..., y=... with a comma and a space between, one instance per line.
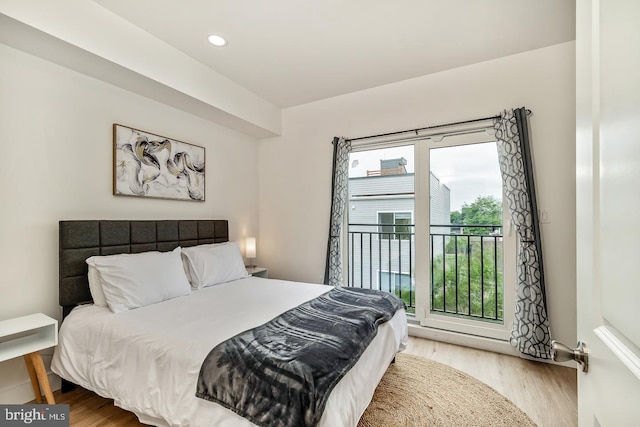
x=281, y=373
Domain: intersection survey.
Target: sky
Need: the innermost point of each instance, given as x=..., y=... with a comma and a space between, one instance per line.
x=468, y=170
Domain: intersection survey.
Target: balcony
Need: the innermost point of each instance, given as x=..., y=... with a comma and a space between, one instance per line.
x=387, y=171
x=465, y=268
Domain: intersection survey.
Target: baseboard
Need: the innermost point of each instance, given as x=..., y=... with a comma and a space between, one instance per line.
x=464, y=340
x=23, y=392
x=481, y=343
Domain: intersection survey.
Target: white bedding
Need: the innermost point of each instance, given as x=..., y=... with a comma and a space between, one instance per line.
x=148, y=359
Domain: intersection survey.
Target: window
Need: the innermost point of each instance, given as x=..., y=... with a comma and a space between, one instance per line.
x=466, y=264
x=400, y=284
x=394, y=225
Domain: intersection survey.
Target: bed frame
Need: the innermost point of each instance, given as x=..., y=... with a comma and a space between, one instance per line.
x=80, y=240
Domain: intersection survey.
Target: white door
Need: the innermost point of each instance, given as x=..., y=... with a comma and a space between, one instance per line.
x=608, y=210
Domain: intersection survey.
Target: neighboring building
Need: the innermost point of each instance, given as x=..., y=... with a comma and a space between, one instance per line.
x=381, y=224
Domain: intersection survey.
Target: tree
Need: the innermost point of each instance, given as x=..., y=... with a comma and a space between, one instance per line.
x=457, y=217
x=485, y=210
x=465, y=284
x=468, y=277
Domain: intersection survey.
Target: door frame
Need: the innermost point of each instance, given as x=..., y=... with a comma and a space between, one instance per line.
x=443, y=322
x=482, y=335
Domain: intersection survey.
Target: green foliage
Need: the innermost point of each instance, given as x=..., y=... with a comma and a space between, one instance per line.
x=472, y=263
x=407, y=294
x=475, y=268
x=457, y=217
x=485, y=210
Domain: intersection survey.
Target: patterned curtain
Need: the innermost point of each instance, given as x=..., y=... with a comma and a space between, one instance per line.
x=530, y=333
x=339, y=181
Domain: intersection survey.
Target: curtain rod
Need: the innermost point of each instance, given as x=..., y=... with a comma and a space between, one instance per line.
x=425, y=128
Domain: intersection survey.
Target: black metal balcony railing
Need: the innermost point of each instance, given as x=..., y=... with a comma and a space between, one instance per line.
x=377, y=258
x=465, y=266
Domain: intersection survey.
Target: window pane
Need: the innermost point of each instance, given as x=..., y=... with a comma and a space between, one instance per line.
x=381, y=206
x=385, y=218
x=466, y=260
x=403, y=220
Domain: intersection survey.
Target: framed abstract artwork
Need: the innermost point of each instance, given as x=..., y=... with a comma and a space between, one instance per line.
x=153, y=166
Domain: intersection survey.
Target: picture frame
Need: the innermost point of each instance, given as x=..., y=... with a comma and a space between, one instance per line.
x=153, y=166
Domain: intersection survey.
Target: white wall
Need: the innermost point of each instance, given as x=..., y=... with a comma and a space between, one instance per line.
x=73, y=33
x=56, y=163
x=295, y=168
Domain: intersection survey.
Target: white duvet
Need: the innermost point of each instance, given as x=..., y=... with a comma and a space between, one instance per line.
x=148, y=359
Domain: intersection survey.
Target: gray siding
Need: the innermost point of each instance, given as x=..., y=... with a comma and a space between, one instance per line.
x=378, y=185
x=370, y=252
x=440, y=203
x=365, y=211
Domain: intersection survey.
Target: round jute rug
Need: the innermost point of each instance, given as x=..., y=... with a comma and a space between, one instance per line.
x=418, y=392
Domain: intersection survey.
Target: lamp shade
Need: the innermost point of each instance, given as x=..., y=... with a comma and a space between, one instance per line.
x=250, y=247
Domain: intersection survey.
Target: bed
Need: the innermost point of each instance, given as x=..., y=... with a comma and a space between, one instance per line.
x=148, y=359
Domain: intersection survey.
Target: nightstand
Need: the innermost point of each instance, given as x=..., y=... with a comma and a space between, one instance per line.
x=258, y=272
x=26, y=336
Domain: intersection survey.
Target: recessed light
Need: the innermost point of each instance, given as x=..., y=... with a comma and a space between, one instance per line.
x=217, y=40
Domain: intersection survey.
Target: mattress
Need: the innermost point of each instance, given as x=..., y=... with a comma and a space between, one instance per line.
x=148, y=359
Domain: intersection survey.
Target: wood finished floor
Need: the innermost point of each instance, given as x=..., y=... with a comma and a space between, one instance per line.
x=547, y=393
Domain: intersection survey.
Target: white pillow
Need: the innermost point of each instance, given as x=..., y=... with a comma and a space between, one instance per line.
x=95, y=286
x=214, y=264
x=185, y=261
x=135, y=280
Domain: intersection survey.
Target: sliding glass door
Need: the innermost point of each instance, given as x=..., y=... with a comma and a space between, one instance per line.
x=467, y=241
x=425, y=222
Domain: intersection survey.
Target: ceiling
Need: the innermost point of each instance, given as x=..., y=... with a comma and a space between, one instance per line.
x=291, y=52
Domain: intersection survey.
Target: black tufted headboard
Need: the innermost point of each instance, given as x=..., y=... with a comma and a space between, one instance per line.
x=81, y=239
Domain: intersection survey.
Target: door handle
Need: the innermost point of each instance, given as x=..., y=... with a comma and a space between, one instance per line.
x=562, y=353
